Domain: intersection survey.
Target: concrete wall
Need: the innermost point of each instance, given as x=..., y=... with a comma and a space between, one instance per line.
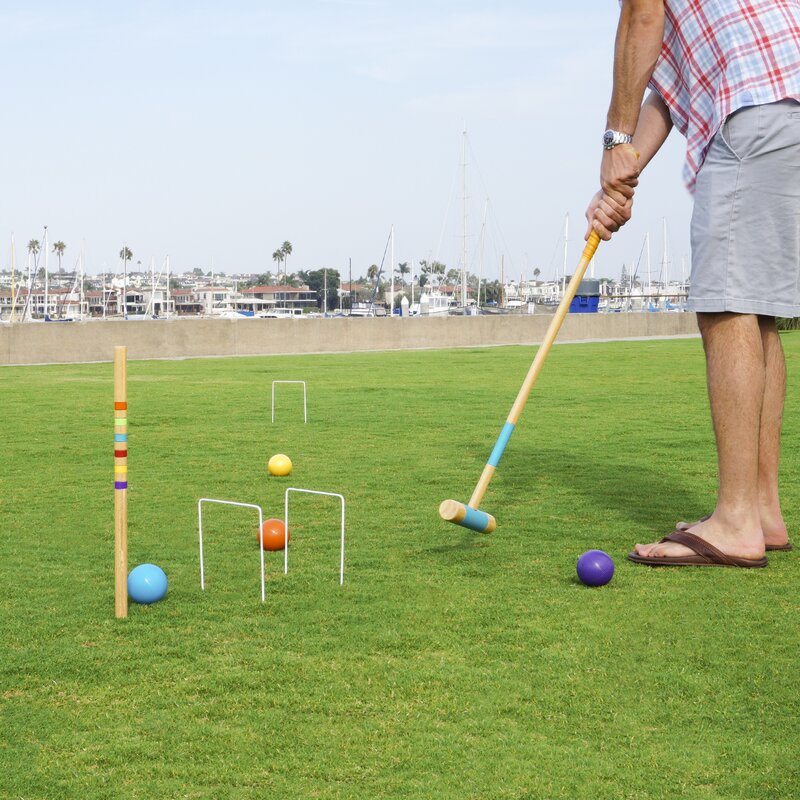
x=66, y=342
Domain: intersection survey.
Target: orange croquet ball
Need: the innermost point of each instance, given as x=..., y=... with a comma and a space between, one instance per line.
x=272, y=534
x=280, y=465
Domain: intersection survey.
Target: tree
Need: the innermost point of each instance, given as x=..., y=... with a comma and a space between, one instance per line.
x=126, y=255
x=438, y=269
x=404, y=269
x=277, y=257
x=315, y=280
x=536, y=273
x=424, y=274
x=492, y=291
x=59, y=248
x=286, y=249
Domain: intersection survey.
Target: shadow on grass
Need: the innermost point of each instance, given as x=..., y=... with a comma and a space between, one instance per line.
x=649, y=495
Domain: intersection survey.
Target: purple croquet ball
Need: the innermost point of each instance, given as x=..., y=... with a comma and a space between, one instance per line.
x=595, y=568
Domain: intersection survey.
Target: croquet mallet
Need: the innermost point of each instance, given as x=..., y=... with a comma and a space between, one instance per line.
x=469, y=515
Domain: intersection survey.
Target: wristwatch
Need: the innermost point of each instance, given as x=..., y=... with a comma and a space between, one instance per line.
x=612, y=138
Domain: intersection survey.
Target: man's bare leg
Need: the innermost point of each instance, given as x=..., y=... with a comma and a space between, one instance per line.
x=736, y=372
x=772, y=523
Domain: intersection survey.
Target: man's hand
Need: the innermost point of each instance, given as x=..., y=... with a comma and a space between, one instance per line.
x=606, y=216
x=619, y=172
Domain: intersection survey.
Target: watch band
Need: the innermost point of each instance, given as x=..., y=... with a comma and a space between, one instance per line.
x=612, y=138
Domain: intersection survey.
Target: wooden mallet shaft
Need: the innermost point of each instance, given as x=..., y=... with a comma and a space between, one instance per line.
x=469, y=516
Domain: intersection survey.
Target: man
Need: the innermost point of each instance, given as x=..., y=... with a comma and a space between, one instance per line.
x=726, y=73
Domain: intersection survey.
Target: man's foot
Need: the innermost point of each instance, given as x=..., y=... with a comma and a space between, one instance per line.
x=745, y=544
x=776, y=537
x=701, y=554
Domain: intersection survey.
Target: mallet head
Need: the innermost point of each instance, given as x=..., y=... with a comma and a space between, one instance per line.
x=467, y=517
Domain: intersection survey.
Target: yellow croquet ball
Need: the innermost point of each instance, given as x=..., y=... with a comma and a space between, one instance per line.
x=279, y=465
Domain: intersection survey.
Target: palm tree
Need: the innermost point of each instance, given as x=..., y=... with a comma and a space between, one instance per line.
x=126, y=255
x=59, y=248
x=536, y=273
x=278, y=257
x=424, y=273
x=33, y=247
x=286, y=249
x=403, y=269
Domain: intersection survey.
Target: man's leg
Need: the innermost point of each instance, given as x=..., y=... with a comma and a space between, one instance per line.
x=736, y=374
x=772, y=522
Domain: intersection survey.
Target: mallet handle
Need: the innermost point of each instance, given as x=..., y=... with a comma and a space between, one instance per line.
x=535, y=369
x=553, y=329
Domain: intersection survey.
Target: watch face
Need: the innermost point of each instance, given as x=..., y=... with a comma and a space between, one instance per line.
x=608, y=138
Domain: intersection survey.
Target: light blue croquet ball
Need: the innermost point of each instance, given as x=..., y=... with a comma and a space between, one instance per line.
x=147, y=584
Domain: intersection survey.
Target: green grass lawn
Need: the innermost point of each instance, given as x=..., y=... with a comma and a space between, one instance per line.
x=450, y=664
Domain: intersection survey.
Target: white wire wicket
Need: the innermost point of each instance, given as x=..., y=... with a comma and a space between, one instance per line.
x=286, y=526
x=305, y=406
x=200, y=527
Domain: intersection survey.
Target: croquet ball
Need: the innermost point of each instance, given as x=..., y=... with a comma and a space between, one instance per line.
x=272, y=534
x=280, y=465
x=147, y=584
x=595, y=568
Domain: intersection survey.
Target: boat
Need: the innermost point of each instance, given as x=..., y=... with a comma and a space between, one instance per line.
x=281, y=313
x=367, y=310
x=433, y=303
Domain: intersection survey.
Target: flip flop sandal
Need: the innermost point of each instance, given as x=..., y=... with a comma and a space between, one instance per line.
x=769, y=547
x=705, y=555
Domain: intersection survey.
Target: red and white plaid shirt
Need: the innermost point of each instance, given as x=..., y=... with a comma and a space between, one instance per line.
x=721, y=55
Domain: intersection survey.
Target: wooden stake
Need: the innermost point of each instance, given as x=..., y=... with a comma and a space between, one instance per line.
x=121, y=482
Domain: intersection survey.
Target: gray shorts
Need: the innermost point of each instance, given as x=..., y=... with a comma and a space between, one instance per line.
x=746, y=219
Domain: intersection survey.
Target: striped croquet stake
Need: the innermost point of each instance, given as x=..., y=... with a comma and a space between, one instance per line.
x=121, y=482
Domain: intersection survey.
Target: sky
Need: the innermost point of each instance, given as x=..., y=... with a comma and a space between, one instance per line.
x=213, y=132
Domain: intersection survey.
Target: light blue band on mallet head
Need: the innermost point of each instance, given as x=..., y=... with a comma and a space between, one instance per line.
x=475, y=520
x=120, y=437
x=502, y=441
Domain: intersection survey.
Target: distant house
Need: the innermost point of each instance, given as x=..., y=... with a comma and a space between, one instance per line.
x=101, y=303
x=282, y=296
x=185, y=301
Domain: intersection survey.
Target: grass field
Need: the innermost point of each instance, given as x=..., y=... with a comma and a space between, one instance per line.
x=449, y=665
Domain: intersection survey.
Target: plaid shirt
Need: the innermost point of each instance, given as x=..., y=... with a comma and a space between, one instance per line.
x=721, y=55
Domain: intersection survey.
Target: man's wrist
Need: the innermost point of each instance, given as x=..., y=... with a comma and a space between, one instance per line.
x=611, y=138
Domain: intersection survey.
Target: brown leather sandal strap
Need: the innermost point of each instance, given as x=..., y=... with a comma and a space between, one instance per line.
x=700, y=546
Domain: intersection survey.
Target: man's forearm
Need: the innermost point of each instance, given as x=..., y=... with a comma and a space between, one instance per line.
x=652, y=129
x=639, y=36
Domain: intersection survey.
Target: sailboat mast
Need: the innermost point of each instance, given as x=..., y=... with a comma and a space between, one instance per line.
x=566, y=243
x=46, y=276
x=81, y=295
x=464, y=245
x=391, y=272
x=13, y=299
x=483, y=242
